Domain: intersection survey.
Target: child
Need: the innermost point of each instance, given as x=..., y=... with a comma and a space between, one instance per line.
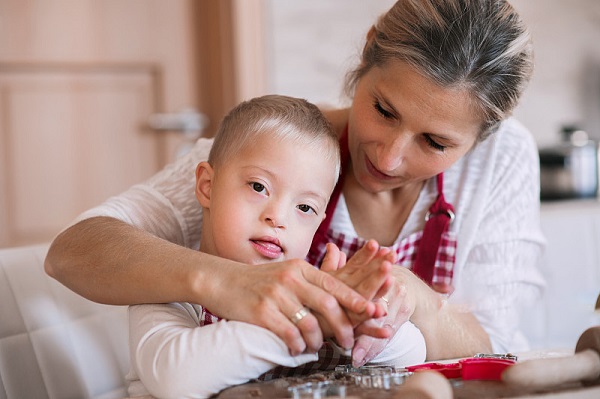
x=264, y=190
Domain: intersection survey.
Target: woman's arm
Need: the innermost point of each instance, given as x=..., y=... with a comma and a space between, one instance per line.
x=449, y=331
x=109, y=261
x=135, y=248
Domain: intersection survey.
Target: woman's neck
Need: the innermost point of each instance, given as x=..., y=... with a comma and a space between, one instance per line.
x=380, y=216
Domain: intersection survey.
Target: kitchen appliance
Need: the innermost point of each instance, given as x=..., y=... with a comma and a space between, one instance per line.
x=570, y=169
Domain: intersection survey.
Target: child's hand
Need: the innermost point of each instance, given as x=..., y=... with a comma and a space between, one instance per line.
x=369, y=274
x=334, y=259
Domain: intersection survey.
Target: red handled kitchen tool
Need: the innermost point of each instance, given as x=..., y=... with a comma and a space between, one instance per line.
x=479, y=367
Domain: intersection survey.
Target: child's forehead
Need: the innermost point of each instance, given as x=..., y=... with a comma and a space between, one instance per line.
x=285, y=152
x=292, y=136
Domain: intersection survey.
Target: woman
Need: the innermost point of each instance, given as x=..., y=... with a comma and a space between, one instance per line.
x=426, y=137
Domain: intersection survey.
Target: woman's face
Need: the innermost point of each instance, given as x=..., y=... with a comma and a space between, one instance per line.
x=404, y=129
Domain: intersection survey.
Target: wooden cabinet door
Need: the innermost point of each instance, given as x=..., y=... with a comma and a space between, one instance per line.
x=70, y=138
x=78, y=82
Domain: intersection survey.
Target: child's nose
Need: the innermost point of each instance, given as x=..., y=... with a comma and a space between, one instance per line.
x=275, y=215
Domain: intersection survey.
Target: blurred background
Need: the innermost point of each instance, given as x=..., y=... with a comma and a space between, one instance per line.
x=96, y=95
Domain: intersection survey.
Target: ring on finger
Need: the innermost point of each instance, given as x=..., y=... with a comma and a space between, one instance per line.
x=299, y=315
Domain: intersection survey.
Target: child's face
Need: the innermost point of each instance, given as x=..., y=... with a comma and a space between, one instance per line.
x=266, y=203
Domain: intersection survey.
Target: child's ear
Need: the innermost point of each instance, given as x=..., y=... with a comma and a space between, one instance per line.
x=204, y=180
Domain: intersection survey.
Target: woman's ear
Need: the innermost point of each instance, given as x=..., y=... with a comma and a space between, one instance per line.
x=204, y=181
x=370, y=37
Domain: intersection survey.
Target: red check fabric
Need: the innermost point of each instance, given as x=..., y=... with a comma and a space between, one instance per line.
x=406, y=249
x=431, y=253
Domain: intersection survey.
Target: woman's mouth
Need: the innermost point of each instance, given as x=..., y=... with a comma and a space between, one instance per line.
x=268, y=247
x=376, y=173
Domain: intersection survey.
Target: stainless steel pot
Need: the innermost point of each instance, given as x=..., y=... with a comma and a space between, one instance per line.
x=569, y=169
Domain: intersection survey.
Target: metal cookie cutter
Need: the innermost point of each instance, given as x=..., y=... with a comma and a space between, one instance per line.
x=318, y=390
x=506, y=356
x=377, y=377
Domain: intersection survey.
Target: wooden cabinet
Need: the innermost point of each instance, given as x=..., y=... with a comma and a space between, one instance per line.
x=79, y=80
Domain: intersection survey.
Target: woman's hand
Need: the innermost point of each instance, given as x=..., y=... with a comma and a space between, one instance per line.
x=450, y=331
x=369, y=273
x=270, y=295
x=399, y=310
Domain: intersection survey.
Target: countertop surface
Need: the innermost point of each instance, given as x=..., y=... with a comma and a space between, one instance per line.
x=461, y=389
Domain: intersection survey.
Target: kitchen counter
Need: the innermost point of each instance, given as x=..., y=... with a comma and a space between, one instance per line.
x=461, y=389
x=571, y=267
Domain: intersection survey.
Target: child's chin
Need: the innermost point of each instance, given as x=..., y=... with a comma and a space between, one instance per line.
x=261, y=261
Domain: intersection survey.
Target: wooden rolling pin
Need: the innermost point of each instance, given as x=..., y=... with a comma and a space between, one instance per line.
x=425, y=384
x=583, y=366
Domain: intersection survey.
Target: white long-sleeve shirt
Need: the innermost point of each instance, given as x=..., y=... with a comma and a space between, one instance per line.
x=171, y=356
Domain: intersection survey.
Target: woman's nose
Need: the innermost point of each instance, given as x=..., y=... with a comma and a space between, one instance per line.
x=391, y=153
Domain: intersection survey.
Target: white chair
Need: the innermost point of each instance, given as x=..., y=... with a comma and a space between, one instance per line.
x=54, y=343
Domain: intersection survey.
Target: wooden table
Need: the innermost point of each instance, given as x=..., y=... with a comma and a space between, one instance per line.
x=461, y=389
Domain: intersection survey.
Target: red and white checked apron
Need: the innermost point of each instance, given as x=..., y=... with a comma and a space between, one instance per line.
x=430, y=254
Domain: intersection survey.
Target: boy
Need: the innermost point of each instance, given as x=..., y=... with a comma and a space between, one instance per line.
x=263, y=191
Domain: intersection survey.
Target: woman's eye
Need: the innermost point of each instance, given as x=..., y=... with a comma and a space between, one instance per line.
x=259, y=188
x=306, y=208
x=433, y=144
x=382, y=111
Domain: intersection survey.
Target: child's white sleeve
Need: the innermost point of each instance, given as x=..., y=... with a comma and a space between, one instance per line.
x=172, y=356
x=405, y=348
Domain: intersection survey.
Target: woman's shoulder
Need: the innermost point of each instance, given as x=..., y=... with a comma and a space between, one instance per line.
x=515, y=149
x=504, y=159
x=514, y=133
x=338, y=117
x=511, y=145
x=203, y=146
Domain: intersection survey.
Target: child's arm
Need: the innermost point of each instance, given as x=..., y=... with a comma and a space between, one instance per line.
x=174, y=357
x=405, y=348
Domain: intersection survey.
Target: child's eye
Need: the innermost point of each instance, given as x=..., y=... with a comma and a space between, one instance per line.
x=306, y=208
x=382, y=111
x=259, y=188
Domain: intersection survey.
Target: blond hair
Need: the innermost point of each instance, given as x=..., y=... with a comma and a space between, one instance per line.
x=280, y=117
x=478, y=45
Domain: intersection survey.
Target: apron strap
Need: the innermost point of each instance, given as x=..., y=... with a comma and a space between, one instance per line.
x=321, y=234
x=437, y=220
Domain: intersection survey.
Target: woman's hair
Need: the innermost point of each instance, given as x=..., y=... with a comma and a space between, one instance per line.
x=279, y=117
x=481, y=46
